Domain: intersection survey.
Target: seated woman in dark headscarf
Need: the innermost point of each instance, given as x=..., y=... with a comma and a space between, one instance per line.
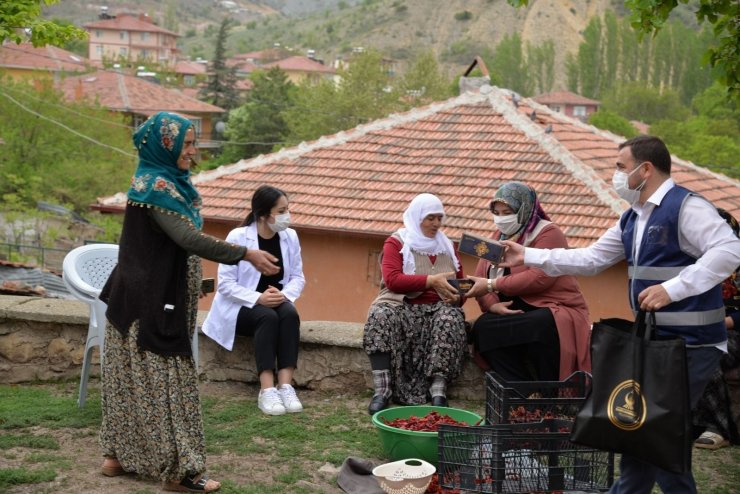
x=533, y=326
x=152, y=422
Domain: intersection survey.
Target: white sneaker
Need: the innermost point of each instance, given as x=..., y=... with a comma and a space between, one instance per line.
x=290, y=400
x=270, y=403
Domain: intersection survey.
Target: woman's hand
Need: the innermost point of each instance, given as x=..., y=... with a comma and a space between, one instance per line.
x=502, y=309
x=480, y=287
x=438, y=282
x=272, y=297
x=262, y=260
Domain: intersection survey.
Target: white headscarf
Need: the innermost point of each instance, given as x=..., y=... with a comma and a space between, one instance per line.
x=422, y=206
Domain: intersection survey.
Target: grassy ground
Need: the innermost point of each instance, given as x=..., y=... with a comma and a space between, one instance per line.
x=49, y=445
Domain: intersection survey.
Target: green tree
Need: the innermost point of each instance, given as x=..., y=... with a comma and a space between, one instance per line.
x=608, y=120
x=171, y=16
x=45, y=156
x=638, y=101
x=510, y=65
x=221, y=87
x=260, y=121
x=649, y=17
x=425, y=80
x=19, y=21
x=590, y=60
x=541, y=65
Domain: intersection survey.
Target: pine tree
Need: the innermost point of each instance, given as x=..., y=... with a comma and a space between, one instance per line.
x=221, y=88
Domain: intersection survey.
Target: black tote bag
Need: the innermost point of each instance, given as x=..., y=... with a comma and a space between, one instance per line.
x=639, y=399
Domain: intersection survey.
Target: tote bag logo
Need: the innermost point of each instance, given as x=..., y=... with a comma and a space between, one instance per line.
x=627, y=408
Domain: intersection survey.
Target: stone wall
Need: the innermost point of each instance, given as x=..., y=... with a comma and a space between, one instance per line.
x=43, y=339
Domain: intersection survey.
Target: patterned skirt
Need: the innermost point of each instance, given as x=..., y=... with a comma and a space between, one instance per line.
x=151, y=406
x=424, y=340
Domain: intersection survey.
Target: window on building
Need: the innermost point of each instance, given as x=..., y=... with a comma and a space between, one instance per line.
x=144, y=36
x=122, y=51
x=556, y=108
x=98, y=49
x=579, y=111
x=144, y=54
x=122, y=34
x=98, y=33
x=189, y=80
x=197, y=126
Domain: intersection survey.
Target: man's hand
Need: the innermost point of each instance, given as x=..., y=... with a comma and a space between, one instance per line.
x=272, y=297
x=653, y=298
x=513, y=256
x=262, y=261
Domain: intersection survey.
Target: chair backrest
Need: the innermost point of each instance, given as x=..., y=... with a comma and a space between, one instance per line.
x=87, y=268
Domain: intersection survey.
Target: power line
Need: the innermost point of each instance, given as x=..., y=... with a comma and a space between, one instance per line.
x=83, y=136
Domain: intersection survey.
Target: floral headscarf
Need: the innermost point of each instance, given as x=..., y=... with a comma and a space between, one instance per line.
x=523, y=200
x=158, y=181
x=420, y=207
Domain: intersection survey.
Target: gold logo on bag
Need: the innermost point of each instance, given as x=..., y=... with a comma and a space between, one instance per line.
x=481, y=249
x=627, y=408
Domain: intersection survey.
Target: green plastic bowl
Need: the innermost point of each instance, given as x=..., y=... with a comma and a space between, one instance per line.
x=400, y=444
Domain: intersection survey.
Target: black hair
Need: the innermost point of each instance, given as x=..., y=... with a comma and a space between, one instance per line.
x=649, y=148
x=730, y=220
x=263, y=200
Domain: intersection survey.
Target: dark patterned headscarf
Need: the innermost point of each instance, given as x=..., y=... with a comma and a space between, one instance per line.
x=522, y=199
x=158, y=181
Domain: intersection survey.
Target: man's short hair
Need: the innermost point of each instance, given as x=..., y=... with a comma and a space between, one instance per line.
x=649, y=148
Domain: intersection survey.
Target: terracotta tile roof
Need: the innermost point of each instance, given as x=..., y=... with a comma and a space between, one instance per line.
x=128, y=22
x=564, y=98
x=120, y=92
x=187, y=67
x=300, y=64
x=361, y=180
x=51, y=58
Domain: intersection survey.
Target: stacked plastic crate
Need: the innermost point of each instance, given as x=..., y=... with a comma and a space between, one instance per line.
x=525, y=445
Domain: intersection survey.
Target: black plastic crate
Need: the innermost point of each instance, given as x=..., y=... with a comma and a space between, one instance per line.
x=520, y=458
x=531, y=401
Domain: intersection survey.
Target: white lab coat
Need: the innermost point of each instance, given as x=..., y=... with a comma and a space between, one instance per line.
x=237, y=284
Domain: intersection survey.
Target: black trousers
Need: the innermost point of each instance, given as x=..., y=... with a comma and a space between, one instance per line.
x=520, y=347
x=276, y=333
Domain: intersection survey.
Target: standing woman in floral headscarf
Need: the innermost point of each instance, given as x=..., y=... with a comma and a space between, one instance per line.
x=533, y=326
x=152, y=422
x=415, y=331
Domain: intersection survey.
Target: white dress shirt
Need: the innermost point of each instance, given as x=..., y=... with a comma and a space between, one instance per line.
x=702, y=234
x=237, y=284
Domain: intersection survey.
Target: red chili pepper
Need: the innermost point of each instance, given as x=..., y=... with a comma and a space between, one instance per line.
x=429, y=423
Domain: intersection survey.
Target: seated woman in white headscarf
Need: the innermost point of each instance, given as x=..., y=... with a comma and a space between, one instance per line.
x=415, y=331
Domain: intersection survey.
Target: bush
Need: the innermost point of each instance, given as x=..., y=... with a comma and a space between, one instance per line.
x=465, y=15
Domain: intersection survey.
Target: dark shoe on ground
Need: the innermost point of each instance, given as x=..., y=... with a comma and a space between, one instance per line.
x=711, y=440
x=190, y=484
x=440, y=401
x=377, y=404
x=111, y=468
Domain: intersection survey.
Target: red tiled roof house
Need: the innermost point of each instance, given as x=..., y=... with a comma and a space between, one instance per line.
x=568, y=103
x=348, y=191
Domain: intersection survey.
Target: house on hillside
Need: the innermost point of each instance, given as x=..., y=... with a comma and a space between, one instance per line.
x=131, y=37
x=190, y=74
x=568, y=103
x=25, y=62
x=299, y=69
x=261, y=57
x=348, y=191
x=138, y=99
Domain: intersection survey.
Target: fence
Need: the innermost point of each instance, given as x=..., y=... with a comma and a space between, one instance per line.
x=34, y=255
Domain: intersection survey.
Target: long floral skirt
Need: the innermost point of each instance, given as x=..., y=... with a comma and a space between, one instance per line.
x=151, y=406
x=424, y=340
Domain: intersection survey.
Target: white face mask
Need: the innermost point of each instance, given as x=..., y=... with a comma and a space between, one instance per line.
x=282, y=221
x=621, y=186
x=508, y=224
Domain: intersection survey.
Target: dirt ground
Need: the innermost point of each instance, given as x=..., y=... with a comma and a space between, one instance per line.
x=83, y=451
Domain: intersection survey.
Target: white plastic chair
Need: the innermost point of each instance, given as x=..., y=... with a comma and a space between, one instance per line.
x=85, y=271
